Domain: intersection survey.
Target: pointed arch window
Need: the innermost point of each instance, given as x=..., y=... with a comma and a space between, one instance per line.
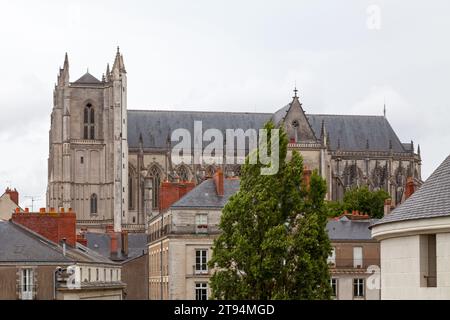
x=183, y=173
x=94, y=204
x=89, y=122
x=156, y=176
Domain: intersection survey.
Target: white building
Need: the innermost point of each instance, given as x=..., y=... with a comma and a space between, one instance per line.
x=415, y=242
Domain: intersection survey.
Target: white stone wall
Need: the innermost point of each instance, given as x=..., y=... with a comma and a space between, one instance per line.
x=400, y=268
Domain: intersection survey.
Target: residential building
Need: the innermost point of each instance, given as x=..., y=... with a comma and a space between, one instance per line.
x=108, y=163
x=181, y=241
x=355, y=259
x=9, y=202
x=130, y=251
x=415, y=242
x=36, y=266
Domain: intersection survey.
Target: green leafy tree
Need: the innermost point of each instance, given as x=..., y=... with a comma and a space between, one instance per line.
x=364, y=200
x=273, y=235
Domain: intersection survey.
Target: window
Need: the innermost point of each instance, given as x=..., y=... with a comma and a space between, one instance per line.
x=89, y=122
x=358, y=288
x=332, y=258
x=201, y=223
x=111, y=275
x=26, y=284
x=357, y=257
x=82, y=160
x=94, y=204
x=96, y=275
x=89, y=274
x=200, y=262
x=130, y=193
x=428, y=261
x=183, y=173
x=201, y=291
x=334, y=287
x=156, y=176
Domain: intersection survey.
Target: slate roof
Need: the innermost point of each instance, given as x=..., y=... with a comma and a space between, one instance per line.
x=352, y=131
x=156, y=126
x=430, y=201
x=205, y=195
x=101, y=244
x=19, y=244
x=88, y=78
x=346, y=229
x=16, y=245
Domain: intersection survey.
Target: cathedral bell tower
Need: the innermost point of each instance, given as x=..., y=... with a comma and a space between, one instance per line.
x=88, y=147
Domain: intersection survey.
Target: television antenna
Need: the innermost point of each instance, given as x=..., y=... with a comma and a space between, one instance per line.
x=33, y=200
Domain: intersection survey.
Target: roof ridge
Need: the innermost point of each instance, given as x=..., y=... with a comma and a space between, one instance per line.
x=199, y=111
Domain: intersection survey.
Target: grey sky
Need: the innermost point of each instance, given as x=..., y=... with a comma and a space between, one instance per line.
x=226, y=55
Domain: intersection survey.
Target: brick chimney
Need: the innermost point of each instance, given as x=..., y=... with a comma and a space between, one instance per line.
x=55, y=226
x=171, y=192
x=113, y=248
x=13, y=195
x=387, y=206
x=410, y=188
x=218, y=181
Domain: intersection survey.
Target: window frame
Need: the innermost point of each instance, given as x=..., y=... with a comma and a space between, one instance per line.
x=357, y=283
x=201, y=291
x=201, y=261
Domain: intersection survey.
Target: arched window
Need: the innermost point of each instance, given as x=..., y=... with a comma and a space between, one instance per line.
x=210, y=171
x=89, y=122
x=183, y=173
x=94, y=204
x=156, y=176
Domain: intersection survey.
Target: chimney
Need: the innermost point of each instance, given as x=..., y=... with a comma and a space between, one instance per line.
x=387, y=206
x=13, y=195
x=113, y=248
x=55, y=226
x=410, y=188
x=218, y=181
x=124, y=243
x=171, y=192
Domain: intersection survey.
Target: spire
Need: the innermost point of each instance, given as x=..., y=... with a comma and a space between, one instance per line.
x=66, y=62
x=63, y=77
x=384, y=110
x=418, y=149
x=118, y=66
x=412, y=146
x=295, y=92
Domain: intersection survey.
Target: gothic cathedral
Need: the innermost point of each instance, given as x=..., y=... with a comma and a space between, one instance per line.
x=107, y=163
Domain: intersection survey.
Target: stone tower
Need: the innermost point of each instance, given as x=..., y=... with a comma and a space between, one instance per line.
x=88, y=156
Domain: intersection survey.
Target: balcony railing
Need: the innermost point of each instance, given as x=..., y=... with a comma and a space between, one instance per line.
x=352, y=264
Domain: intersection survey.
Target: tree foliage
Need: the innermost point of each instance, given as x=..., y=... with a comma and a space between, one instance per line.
x=366, y=201
x=273, y=243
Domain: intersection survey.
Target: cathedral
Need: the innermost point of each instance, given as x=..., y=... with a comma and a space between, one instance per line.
x=107, y=163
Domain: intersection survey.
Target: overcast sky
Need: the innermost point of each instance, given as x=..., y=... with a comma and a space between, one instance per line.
x=227, y=56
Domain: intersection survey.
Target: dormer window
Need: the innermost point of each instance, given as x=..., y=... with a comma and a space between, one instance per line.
x=89, y=122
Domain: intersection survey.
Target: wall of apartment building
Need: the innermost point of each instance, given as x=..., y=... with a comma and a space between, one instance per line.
x=10, y=281
x=158, y=257
x=344, y=253
x=345, y=286
x=345, y=272
x=182, y=274
x=135, y=274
